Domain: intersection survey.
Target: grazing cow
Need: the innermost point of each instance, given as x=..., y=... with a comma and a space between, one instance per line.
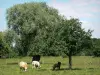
x=36, y=58
x=23, y=65
x=57, y=66
x=36, y=64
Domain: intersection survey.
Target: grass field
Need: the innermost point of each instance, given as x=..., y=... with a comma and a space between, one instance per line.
x=82, y=65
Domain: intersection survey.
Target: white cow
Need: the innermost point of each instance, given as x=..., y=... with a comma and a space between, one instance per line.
x=36, y=64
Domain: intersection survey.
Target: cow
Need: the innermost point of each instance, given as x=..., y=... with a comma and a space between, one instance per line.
x=36, y=64
x=57, y=66
x=23, y=65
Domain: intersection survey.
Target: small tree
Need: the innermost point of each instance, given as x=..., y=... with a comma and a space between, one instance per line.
x=76, y=39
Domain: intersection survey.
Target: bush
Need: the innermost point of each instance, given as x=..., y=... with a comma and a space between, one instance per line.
x=96, y=52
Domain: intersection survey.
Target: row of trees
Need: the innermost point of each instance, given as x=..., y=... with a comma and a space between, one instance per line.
x=8, y=48
x=36, y=28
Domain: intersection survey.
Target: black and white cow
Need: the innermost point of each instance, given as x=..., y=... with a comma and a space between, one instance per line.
x=35, y=61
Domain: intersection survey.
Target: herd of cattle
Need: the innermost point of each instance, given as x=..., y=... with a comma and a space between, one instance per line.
x=36, y=64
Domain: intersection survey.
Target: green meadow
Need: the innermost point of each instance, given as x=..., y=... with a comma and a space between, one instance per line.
x=82, y=65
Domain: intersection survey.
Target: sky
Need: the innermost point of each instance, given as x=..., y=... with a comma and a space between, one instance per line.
x=87, y=11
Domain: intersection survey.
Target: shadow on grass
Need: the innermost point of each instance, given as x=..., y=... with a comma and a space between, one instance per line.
x=42, y=69
x=67, y=69
x=14, y=63
x=91, y=68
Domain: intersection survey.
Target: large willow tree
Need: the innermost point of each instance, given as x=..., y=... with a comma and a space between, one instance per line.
x=32, y=22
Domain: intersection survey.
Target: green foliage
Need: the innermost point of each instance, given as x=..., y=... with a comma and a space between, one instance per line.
x=74, y=36
x=4, y=47
x=96, y=52
x=7, y=39
x=10, y=37
x=96, y=49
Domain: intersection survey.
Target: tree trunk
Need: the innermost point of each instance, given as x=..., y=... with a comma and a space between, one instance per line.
x=70, y=61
